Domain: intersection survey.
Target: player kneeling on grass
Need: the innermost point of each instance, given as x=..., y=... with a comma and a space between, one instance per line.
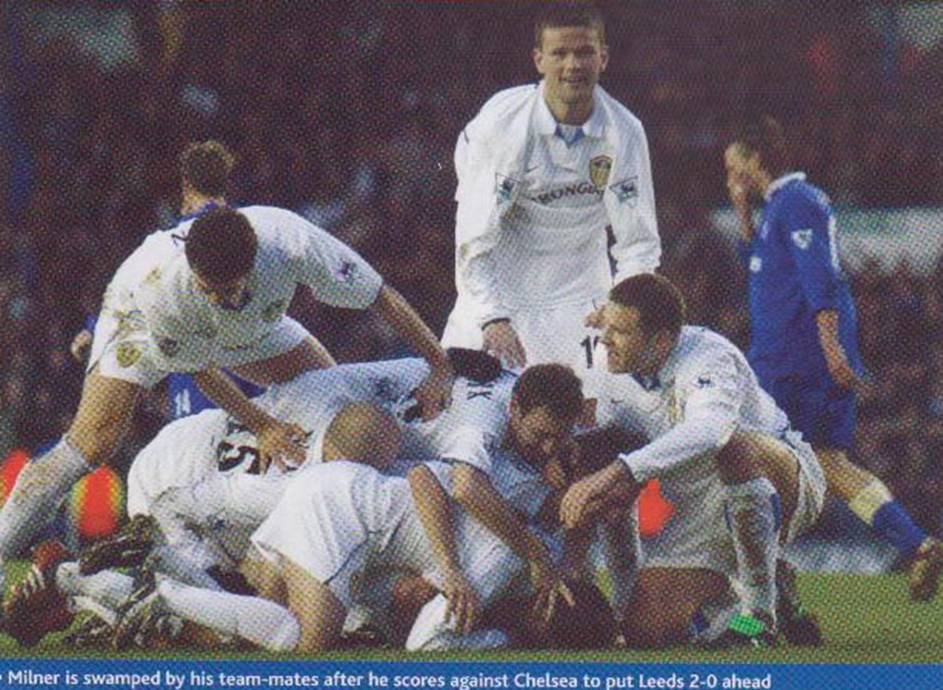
x=720, y=441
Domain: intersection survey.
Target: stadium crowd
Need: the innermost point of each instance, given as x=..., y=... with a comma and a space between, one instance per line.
x=349, y=116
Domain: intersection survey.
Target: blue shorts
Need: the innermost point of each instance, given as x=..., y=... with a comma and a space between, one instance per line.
x=823, y=412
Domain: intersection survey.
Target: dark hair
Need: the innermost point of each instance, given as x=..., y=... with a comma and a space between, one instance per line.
x=221, y=246
x=206, y=167
x=600, y=447
x=766, y=137
x=588, y=624
x=552, y=385
x=556, y=15
x=659, y=302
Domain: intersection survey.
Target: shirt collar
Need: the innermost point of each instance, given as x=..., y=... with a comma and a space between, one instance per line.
x=781, y=182
x=546, y=123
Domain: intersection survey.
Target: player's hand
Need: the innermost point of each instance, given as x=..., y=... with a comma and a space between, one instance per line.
x=549, y=587
x=464, y=606
x=586, y=498
x=500, y=340
x=81, y=344
x=842, y=373
x=434, y=394
x=595, y=318
x=282, y=443
x=739, y=192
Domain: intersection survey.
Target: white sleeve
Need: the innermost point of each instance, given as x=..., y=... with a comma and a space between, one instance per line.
x=470, y=445
x=476, y=228
x=712, y=394
x=337, y=274
x=480, y=283
x=637, y=247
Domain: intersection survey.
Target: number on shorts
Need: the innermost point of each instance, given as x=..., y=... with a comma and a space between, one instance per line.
x=589, y=344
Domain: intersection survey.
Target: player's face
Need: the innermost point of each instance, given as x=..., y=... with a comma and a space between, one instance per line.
x=571, y=58
x=629, y=347
x=226, y=295
x=539, y=434
x=743, y=169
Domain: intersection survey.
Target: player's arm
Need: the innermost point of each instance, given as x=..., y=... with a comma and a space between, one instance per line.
x=473, y=491
x=435, y=513
x=838, y=366
x=434, y=393
x=710, y=417
x=476, y=230
x=339, y=276
x=279, y=442
x=637, y=247
x=812, y=244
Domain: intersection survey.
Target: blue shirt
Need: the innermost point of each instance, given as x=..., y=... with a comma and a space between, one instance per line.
x=794, y=274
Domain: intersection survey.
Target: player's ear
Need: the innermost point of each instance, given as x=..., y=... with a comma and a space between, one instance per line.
x=603, y=57
x=538, y=55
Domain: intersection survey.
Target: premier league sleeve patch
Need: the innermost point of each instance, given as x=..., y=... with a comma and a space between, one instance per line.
x=168, y=346
x=802, y=238
x=626, y=190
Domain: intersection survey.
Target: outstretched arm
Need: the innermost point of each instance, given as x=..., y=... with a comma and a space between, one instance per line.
x=435, y=513
x=433, y=394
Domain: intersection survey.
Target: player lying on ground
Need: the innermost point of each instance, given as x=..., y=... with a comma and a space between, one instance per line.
x=212, y=293
x=355, y=524
x=171, y=478
x=719, y=438
x=202, y=548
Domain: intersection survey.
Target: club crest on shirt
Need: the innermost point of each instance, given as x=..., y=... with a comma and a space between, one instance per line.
x=599, y=169
x=802, y=238
x=626, y=190
x=273, y=311
x=168, y=346
x=127, y=354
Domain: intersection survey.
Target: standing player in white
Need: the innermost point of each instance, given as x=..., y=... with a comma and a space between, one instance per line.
x=542, y=171
x=212, y=293
x=718, y=440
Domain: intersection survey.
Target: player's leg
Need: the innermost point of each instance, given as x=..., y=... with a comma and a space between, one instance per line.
x=674, y=605
x=287, y=352
x=870, y=499
x=264, y=623
x=103, y=417
x=319, y=611
x=826, y=417
x=754, y=511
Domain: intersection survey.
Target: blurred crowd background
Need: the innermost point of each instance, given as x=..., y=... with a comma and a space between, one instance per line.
x=348, y=113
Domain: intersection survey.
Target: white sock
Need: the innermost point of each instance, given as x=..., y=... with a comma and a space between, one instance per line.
x=257, y=620
x=622, y=547
x=40, y=487
x=711, y=620
x=187, y=564
x=755, y=537
x=107, y=587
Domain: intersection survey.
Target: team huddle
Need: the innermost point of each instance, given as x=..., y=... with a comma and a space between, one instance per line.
x=471, y=497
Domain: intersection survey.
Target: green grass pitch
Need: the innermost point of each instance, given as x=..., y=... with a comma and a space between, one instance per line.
x=866, y=619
